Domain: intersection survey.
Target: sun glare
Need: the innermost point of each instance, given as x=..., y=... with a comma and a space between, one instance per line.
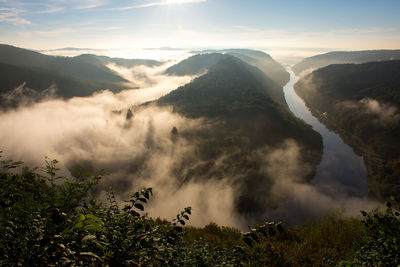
x=173, y=2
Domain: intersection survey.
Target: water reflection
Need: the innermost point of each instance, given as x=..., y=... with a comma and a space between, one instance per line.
x=340, y=168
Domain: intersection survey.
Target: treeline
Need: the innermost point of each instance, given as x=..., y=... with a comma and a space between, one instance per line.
x=48, y=220
x=361, y=102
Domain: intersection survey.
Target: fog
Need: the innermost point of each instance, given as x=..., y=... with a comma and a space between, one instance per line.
x=385, y=114
x=25, y=96
x=136, y=147
x=136, y=150
x=300, y=201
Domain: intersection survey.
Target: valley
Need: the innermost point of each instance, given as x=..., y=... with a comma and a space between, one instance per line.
x=360, y=102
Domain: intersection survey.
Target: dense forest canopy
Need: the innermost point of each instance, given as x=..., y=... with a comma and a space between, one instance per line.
x=361, y=102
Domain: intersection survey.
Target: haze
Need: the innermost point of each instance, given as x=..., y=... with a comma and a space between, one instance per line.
x=154, y=144
x=123, y=28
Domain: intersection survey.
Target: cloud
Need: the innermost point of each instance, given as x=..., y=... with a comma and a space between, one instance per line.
x=86, y=4
x=159, y=3
x=136, y=147
x=299, y=201
x=385, y=113
x=12, y=15
x=23, y=96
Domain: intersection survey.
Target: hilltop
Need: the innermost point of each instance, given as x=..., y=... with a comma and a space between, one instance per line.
x=341, y=57
x=203, y=60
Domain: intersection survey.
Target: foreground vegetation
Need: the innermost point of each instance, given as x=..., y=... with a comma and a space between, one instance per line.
x=47, y=220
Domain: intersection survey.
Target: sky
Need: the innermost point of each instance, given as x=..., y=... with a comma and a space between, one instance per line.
x=307, y=26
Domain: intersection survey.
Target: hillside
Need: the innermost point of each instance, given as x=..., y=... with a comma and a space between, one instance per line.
x=362, y=104
x=39, y=80
x=341, y=57
x=203, y=60
x=72, y=66
x=72, y=76
x=245, y=113
x=100, y=61
x=195, y=64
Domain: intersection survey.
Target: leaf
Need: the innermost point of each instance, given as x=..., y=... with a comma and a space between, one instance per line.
x=364, y=213
x=88, y=238
x=89, y=254
x=78, y=225
x=93, y=227
x=279, y=226
x=254, y=236
x=94, y=218
x=142, y=199
x=188, y=210
x=271, y=230
x=178, y=228
x=80, y=218
x=182, y=222
x=248, y=241
x=134, y=213
x=139, y=206
x=186, y=217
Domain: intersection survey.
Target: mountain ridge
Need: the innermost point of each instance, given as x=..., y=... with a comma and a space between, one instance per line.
x=203, y=60
x=342, y=57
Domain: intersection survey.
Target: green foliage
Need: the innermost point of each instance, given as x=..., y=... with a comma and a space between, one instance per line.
x=382, y=247
x=50, y=220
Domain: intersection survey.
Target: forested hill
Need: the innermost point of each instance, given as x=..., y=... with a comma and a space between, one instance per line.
x=340, y=57
x=73, y=76
x=244, y=113
x=71, y=66
x=229, y=84
x=362, y=103
x=203, y=60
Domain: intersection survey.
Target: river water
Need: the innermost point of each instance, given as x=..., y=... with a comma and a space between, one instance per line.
x=340, y=169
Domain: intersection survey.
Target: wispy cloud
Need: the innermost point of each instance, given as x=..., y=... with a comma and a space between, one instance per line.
x=86, y=4
x=49, y=9
x=367, y=30
x=12, y=15
x=159, y=3
x=62, y=31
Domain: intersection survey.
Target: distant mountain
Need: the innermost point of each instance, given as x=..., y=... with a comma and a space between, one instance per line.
x=128, y=63
x=72, y=66
x=340, y=57
x=38, y=79
x=195, y=64
x=73, y=76
x=245, y=112
x=362, y=103
x=207, y=58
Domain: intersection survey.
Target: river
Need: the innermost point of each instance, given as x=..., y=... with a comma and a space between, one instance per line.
x=340, y=168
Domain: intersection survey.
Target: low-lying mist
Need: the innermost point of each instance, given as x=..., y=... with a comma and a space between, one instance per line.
x=144, y=146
